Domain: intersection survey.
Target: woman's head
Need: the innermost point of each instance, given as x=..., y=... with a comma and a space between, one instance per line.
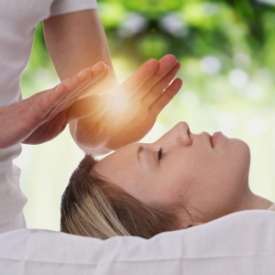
x=181, y=179
x=92, y=206
x=189, y=173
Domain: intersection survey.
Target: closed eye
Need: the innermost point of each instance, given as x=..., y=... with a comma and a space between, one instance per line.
x=160, y=152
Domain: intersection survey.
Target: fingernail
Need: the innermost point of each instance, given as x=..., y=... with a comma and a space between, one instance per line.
x=81, y=73
x=84, y=76
x=99, y=68
x=58, y=89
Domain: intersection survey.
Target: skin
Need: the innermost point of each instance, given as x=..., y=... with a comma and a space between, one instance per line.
x=44, y=115
x=199, y=182
x=76, y=41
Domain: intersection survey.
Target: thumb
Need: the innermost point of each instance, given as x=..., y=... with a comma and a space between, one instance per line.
x=85, y=107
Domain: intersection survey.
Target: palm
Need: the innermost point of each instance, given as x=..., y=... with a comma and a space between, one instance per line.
x=48, y=130
x=132, y=131
x=43, y=116
x=131, y=108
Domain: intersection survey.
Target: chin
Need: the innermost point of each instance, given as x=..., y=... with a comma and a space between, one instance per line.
x=241, y=154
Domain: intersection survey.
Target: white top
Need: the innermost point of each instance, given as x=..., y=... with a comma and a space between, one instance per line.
x=241, y=243
x=18, y=20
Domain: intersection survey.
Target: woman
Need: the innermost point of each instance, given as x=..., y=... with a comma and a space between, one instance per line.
x=181, y=180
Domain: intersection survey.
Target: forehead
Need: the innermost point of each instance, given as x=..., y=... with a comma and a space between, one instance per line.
x=122, y=167
x=119, y=158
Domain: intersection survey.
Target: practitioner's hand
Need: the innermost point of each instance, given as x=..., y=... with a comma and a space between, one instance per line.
x=131, y=109
x=43, y=116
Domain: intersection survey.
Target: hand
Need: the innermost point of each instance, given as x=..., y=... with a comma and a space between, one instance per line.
x=44, y=115
x=132, y=108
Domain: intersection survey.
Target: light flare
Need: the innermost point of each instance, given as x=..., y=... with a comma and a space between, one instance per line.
x=121, y=107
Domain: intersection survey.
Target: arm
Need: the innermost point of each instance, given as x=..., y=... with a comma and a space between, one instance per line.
x=77, y=40
x=44, y=115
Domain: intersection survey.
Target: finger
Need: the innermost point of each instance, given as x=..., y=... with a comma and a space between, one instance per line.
x=165, y=97
x=68, y=101
x=84, y=107
x=89, y=89
x=84, y=79
x=51, y=101
x=155, y=92
x=70, y=88
x=167, y=63
x=135, y=81
x=43, y=102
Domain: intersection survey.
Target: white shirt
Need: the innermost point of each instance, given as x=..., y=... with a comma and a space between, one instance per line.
x=241, y=243
x=18, y=20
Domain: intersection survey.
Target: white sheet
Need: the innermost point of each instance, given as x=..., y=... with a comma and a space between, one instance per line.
x=240, y=243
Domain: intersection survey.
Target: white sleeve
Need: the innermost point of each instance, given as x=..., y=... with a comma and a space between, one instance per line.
x=67, y=6
x=242, y=243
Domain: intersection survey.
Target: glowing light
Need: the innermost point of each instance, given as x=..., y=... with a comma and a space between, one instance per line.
x=120, y=107
x=118, y=104
x=210, y=65
x=238, y=78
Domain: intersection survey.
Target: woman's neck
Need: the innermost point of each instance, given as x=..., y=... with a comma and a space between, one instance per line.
x=253, y=201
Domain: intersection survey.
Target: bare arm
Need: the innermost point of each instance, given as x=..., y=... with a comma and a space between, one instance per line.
x=77, y=40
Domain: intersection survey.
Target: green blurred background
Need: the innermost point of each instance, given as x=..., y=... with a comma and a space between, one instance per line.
x=226, y=49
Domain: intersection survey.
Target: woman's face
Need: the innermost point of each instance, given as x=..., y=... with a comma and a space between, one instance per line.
x=182, y=170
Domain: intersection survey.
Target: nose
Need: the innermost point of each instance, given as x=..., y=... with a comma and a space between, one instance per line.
x=180, y=134
x=183, y=133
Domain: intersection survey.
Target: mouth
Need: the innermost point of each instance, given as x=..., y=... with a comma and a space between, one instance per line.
x=209, y=137
x=214, y=138
x=211, y=142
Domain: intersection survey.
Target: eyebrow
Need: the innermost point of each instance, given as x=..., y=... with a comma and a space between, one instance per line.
x=139, y=150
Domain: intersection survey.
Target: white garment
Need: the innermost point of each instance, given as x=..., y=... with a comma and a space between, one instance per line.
x=18, y=20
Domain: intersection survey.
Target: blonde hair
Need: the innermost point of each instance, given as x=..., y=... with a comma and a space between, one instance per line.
x=93, y=207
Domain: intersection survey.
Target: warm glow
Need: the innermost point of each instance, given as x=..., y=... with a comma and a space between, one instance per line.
x=119, y=106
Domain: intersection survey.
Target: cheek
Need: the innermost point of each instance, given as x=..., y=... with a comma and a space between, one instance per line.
x=230, y=164
x=236, y=160
x=205, y=172
x=169, y=187
x=180, y=178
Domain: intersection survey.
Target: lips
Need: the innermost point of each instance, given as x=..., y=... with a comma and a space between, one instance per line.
x=208, y=137
x=214, y=138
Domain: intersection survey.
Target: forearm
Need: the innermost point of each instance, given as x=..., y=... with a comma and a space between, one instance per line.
x=76, y=41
